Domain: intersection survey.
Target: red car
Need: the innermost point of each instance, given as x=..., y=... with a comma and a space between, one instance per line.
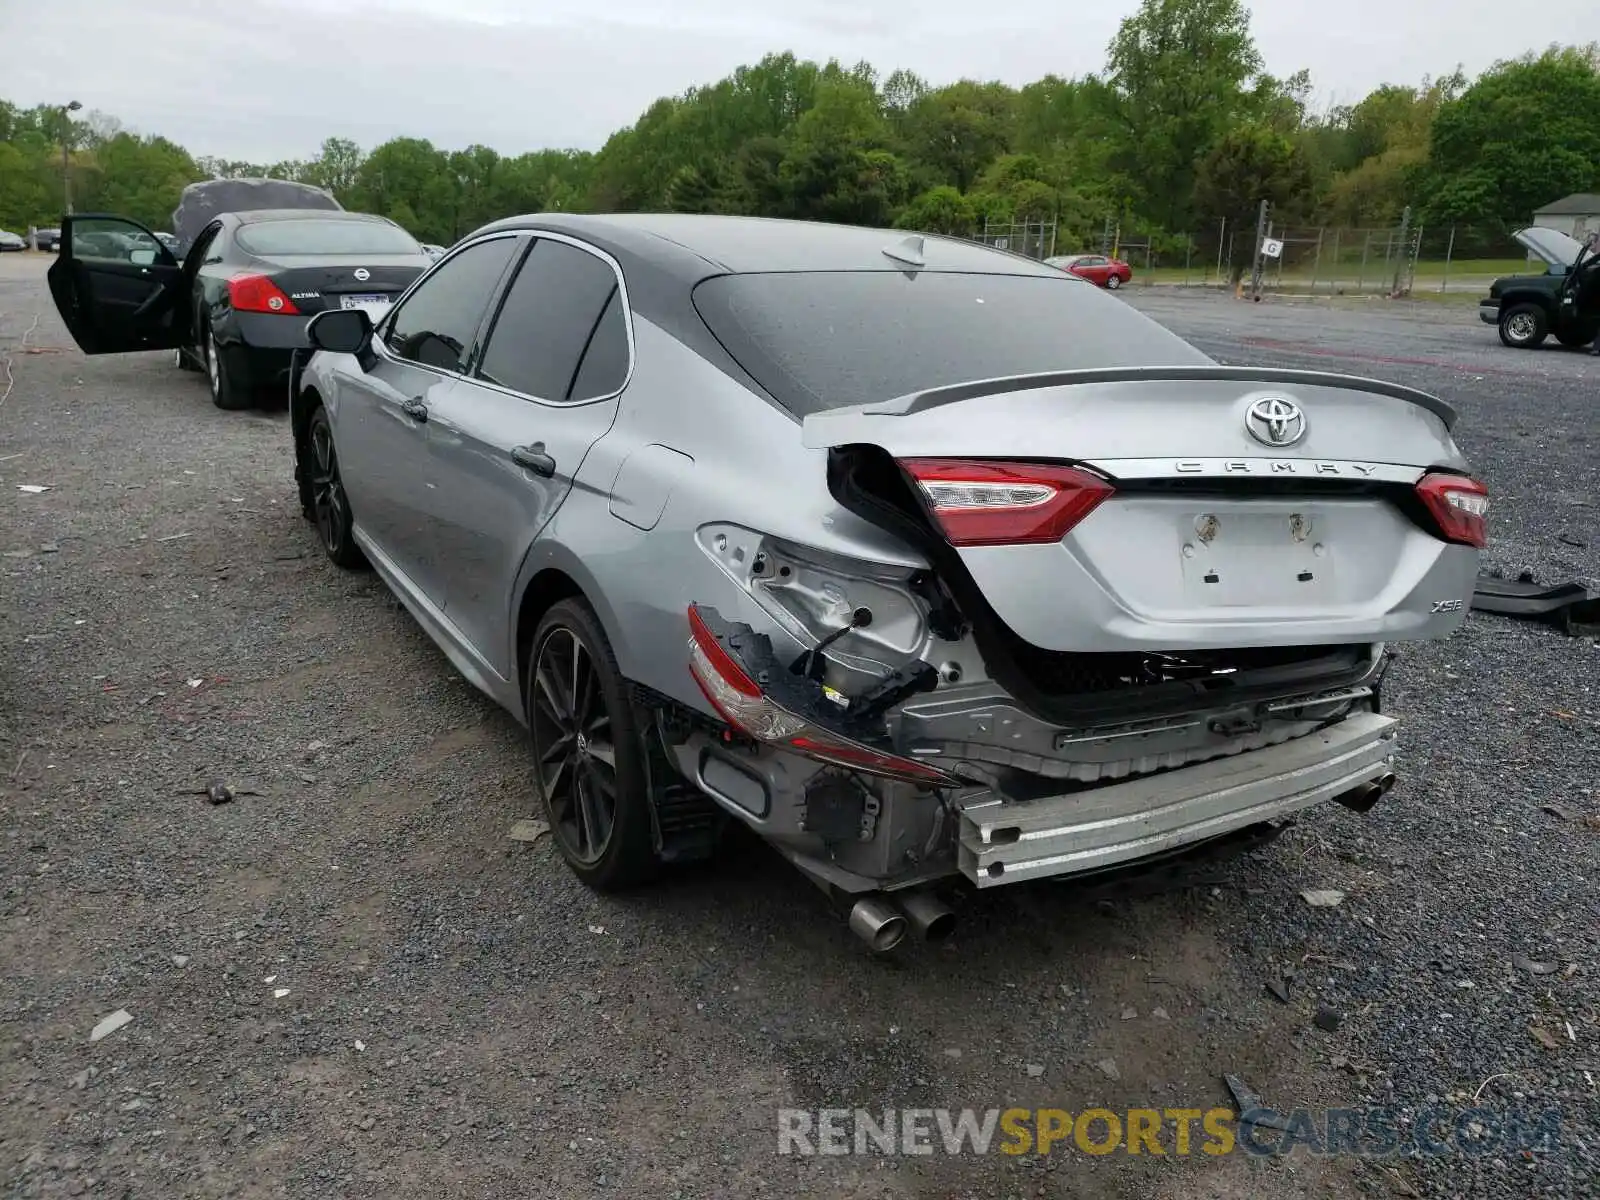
x=1096, y=268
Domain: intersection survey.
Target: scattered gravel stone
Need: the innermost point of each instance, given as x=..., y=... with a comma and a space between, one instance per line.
x=110, y=1024
x=1322, y=897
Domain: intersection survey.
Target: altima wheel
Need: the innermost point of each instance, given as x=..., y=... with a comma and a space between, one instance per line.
x=330, y=505
x=224, y=392
x=1114, y=282
x=588, y=757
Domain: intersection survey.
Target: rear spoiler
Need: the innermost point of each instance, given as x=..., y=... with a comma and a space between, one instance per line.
x=915, y=402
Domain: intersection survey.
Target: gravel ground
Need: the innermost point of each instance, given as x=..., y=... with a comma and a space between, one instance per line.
x=457, y=1014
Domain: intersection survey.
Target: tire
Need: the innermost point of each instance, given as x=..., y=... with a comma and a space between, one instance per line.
x=1524, y=326
x=225, y=393
x=573, y=730
x=1114, y=282
x=330, y=503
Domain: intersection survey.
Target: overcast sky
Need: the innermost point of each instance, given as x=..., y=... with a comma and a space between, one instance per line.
x=265, y=80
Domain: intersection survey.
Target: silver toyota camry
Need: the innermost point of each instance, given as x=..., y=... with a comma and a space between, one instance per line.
x=923, y=560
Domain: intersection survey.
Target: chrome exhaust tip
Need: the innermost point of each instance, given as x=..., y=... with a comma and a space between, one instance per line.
x=929, y=916
x=877, y=923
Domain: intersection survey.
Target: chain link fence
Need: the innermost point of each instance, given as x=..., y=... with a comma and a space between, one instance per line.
x=1035, y=239
x=1409, y=259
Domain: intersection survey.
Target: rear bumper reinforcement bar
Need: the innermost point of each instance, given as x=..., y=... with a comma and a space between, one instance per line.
x=1062, y=835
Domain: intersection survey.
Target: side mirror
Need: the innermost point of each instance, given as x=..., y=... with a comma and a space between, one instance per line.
x=340, y=330
x=142, y=258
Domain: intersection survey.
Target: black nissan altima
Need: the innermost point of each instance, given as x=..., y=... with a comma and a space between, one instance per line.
x=242, y=295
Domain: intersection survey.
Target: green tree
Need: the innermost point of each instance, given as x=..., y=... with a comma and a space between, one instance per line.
x=1525, y=133
x=336, y=167
x=136, y=177
x=694, y=190
x=956, y=131
x=939, y=210
x=1250, y=164
x=837, y=166
x=1181, y=73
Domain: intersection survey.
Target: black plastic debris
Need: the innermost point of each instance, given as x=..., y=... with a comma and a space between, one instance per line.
x=1570, y=607
x=1252, y=1108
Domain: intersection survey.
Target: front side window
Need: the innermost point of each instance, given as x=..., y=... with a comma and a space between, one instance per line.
x=435, y=325
x=110, y=239
x=563, y=307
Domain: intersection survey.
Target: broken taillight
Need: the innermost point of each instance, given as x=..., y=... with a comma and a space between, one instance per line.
x=986, y=503
x=742, y=703
x=257, y=293
x=1458, y=505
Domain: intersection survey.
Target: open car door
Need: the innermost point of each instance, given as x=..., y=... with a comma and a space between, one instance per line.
x=117, y=287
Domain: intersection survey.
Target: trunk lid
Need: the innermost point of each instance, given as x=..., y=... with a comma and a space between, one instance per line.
x=1250, y=507
x=314, y=282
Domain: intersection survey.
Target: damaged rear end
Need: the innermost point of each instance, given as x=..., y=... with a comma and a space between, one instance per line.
x=1154, y=614
x=1144, y=605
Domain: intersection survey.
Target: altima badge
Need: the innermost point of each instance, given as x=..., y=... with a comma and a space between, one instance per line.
x=362, y=274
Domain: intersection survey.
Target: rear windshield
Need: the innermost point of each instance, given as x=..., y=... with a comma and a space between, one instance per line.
x=821, y=340
x=317, y=235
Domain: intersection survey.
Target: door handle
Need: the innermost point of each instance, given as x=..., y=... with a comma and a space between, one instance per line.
x=415, y=408
x=535, y=459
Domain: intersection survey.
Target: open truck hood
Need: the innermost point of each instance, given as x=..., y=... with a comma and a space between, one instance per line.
x=1217, y=532
x=1550, y=245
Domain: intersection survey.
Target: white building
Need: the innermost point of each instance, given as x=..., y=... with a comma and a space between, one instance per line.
x=1574, y=215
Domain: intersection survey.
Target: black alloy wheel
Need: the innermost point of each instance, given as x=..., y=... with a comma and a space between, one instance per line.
x=330, y=505
x=588, y=755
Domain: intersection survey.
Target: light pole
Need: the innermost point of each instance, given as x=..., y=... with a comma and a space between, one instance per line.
x=66, y=137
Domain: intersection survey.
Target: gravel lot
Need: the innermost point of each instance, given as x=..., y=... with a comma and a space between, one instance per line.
x=353, y=983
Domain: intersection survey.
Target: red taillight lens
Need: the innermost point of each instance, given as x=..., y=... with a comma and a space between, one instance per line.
x=257, y=293
x=1459, y=505
x=984, y=503
x=741, y=702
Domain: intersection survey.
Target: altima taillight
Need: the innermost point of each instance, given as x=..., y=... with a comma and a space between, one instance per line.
x=742, y=703
x=257, y=293
x=979, y=502
x=1458, y=505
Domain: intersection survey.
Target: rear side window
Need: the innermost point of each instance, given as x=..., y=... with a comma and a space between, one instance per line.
x=818, y=340
x=605, y=363
x=325, y=235
x=436, y=323
x=561, y=312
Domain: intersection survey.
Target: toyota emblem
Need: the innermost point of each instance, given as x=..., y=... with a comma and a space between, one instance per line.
x=1275, y=421
x=363, y=274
